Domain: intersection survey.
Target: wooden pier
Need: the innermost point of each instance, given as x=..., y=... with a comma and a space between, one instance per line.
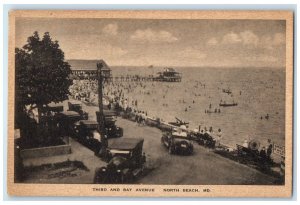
x=127, y=78
x=133, y=78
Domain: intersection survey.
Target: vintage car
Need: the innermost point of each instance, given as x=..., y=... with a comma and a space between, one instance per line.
x=126, y=162
x=177, y=142
x=203, y=139
x=77, y=107
x=110, y=127
x=50, y=111
x=87, y=133
x=67, y=121
x=52, y=107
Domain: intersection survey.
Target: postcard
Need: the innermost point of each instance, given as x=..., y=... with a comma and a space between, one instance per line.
x=150, y=103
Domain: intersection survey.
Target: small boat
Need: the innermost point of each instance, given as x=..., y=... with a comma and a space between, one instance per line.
x=179, y=122
x=228, y=91
x=228, y=104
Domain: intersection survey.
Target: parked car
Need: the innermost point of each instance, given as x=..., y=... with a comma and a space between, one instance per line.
x=87, y=133
x=177, y=142
x=110, y=128
x=67, y=122
x=52, y=107
x=77, y=107
x=126, y=162
x=49, y=113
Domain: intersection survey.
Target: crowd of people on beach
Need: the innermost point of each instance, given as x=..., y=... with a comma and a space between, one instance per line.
x=84, y=90
x=128, y=95
x=120, y=94
x=125, y=95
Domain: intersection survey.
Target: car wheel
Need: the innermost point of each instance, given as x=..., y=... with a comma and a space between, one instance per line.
x=121, y=132
x=191, y=151
x=129, y=177
x=170, y=150
x=123, y=178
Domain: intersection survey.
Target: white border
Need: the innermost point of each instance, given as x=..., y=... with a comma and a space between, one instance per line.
x=3, y=94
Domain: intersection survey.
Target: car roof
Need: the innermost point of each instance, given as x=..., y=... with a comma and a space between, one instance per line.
x=75, y=103
x=108, y=112
x=125, y=143
x=53, y=104
x=70, y=114
x=88, y=122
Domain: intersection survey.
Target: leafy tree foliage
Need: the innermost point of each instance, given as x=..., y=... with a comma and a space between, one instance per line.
x=42, y=75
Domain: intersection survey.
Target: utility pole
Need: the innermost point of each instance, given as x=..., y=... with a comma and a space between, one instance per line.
x=100, y=97
x=100, y=103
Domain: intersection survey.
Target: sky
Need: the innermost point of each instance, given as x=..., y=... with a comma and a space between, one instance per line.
x=144, y=42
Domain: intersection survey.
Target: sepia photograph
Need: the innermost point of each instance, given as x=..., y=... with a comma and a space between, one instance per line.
x=150, y=103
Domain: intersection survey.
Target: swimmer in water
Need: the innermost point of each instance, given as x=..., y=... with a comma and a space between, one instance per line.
x=267, y=116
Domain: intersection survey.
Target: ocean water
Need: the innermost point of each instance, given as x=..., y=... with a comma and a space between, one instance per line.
x=258, y=92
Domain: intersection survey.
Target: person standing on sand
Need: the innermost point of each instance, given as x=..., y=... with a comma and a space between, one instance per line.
x=139, y=118
x=269, y=148
x=246, y=144
x=143, y=118
x=219, y=137
x=263, y=154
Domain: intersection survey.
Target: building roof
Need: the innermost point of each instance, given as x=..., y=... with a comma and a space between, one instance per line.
x=170, y=70
x=87, y=64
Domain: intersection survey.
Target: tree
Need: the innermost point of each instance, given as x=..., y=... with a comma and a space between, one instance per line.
x=42, y=75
